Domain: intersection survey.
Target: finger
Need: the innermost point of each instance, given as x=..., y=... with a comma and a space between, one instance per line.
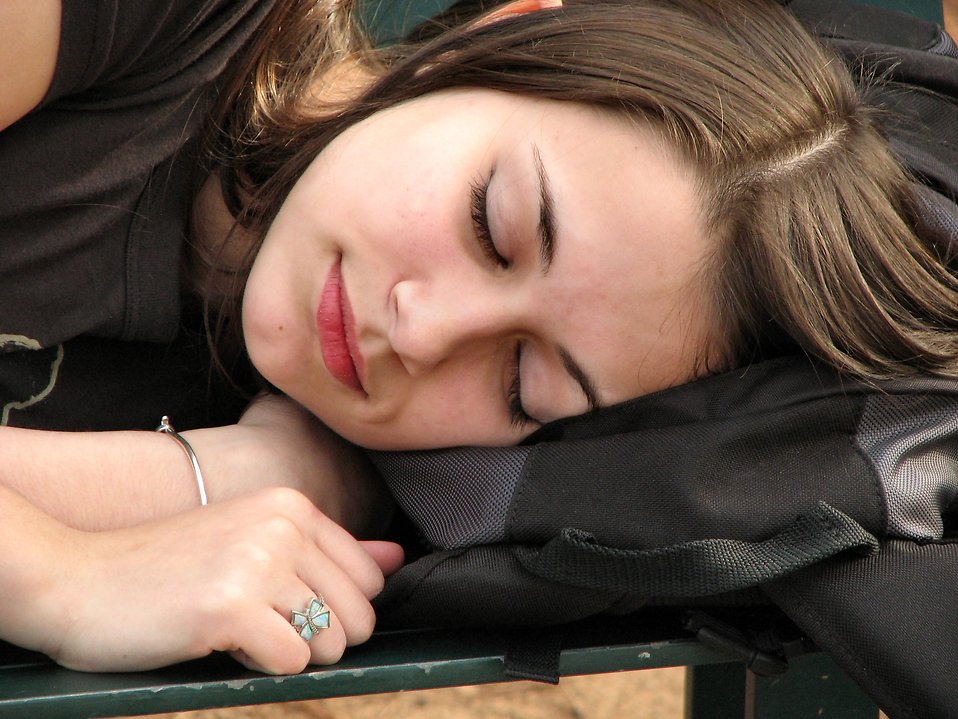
x=329, y=646
x=387, y=555
x=244, y=659
x=350, y=555
x=266, y=642
x=330, y=538
x=326, y=577
x=320, y=629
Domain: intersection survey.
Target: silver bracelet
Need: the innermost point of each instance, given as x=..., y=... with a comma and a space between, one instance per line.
x=167, y=428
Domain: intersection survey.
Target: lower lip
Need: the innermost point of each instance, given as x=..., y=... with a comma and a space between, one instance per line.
x=334, y=319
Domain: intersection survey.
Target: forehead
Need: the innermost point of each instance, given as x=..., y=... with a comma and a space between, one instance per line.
x=629, y=271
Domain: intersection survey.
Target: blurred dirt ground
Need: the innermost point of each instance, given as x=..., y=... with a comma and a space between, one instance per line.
x=648, y=694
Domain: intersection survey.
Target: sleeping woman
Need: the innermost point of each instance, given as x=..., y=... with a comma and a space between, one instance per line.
x=534, y=211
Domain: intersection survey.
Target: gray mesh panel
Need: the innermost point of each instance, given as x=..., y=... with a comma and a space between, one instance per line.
x=941, y=214
x=913, y=445
x=455, y=497
x=945, y=46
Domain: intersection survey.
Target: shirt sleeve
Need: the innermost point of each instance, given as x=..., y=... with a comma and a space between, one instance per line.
x=114, y=48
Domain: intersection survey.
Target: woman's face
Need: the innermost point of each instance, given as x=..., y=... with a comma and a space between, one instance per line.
x=470, y=264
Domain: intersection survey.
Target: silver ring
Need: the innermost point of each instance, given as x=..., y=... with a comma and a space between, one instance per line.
x=313, y=618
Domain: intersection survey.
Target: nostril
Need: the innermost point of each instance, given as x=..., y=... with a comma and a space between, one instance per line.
x=405, y=321
x=392, y=307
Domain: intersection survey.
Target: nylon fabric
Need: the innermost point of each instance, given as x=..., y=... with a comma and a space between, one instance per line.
x=701, y=568
x=474, y=488
x=749, y=477
x=941, y=214
x=484, y=586
x=888, y=621
x=913, y=443
x=945, y=46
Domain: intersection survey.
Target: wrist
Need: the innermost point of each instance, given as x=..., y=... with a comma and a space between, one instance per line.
x=166, y=427
x=232, y=459
x=98, y=481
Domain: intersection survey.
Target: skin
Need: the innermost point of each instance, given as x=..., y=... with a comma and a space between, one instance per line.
x=437, y=323
x=109, y=565
x=220, y=578
x=28, y=55
x=950, y=13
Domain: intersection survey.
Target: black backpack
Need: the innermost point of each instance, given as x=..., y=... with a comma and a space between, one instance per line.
x=779, y=483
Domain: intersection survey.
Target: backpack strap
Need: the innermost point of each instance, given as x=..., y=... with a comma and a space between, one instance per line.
x=699, y=568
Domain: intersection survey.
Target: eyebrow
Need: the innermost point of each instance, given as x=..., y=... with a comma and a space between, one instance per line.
x=547, y=248
x=579, y=375
x=547, y=221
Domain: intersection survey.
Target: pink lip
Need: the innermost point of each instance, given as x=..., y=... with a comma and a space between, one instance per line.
x=337, y=332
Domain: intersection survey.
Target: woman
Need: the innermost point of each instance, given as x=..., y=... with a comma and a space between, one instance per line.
x=556, y=207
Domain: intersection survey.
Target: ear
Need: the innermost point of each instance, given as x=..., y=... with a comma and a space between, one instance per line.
x=517, y=7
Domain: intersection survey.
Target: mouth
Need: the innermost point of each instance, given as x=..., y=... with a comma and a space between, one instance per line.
x=337, y=332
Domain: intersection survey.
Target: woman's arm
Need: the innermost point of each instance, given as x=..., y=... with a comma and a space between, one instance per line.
x=279, y=443
x=110, y=480
x=29, y=41
x=950, y=11
x=221, y=578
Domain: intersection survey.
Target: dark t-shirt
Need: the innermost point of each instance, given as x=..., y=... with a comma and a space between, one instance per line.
x=95, y=191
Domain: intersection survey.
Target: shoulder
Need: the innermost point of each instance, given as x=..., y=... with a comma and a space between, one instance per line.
x=56, y=49
x=116, y=47
x=28, y=54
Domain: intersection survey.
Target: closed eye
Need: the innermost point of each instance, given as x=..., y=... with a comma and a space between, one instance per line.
x=518, y=416
x=480, y=219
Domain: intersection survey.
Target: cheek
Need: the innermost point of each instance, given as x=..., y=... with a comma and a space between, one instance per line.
x=418, y=221
x=276, y=337
x=447, y=416
x=268, y=343
x=381, y=192
x=259, y=315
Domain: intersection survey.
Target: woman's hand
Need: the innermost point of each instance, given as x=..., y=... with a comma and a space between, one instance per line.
x=220, y=578
x=278, y=443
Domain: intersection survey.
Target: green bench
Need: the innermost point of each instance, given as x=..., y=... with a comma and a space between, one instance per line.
x=717, y=687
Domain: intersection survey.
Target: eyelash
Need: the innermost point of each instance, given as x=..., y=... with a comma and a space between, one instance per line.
x=517, y=415
x=480, y=219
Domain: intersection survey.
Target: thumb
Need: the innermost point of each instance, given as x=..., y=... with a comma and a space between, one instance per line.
x=388, y=555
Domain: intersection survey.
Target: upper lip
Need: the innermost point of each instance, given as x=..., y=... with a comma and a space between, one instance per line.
x=337, y=331
x=349, y=329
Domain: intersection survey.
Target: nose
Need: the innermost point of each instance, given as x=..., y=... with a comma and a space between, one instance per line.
x=433, y=322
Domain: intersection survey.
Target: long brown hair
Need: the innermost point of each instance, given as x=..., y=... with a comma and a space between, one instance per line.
x=813, y=221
